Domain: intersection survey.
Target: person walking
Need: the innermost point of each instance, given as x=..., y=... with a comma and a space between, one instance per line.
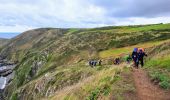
x=128, y=58
x=141, y=55
x=100, y=62
x=135, y=57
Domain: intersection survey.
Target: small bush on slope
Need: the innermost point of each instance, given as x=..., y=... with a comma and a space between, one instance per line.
x=161, y=78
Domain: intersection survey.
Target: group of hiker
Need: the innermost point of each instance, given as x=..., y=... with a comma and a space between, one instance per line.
x=137, y=58
x=116, y=61
x=93, y=63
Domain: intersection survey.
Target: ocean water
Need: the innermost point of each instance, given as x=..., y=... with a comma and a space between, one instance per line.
x=8, y=35
x=3, y=81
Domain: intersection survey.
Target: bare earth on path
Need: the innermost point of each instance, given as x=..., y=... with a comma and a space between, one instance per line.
x=145, y=89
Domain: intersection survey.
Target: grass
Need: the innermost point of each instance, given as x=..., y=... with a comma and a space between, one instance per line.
x=149, y=27
x=104, y=84
x=14, y=96
x=159, y=70
x=91, y=87
x=24, y=70
x=161, y=78
x=135, y=28
x=72, y=30
x=115, y=52
x=63, y=76
x=62, y=48
x=105, y=90
x=162, y=62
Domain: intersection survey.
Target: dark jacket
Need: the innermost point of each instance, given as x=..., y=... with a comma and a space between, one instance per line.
x=141, y=55
x=134, y=55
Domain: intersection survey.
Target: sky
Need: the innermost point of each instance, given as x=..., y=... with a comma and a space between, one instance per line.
x=8, y=35
x=22, y=15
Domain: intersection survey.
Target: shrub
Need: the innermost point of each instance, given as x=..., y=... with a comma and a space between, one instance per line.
x=165, y=85
x=14, y=96
x=162, y=78
x=94, y=94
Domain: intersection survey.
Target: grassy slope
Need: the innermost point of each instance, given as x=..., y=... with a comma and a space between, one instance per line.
x=3, y=42
x=115, y=52
x=158, y=65
x=106, y=84
x=74, y=46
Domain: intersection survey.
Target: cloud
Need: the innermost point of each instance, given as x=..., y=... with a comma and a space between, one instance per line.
x=15, y=28
x=20, y=15
x=139, y=20
x=144, y=8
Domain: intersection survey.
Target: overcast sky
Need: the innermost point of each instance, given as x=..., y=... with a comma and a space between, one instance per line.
x=21, y=15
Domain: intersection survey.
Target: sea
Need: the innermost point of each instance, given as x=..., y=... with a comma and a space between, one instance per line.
x=8, y=35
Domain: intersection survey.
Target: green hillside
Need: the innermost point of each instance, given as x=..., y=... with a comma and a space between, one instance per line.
x=3, y=42
x=53, y=63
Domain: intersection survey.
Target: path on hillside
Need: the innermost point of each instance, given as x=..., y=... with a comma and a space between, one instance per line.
x=145, y=89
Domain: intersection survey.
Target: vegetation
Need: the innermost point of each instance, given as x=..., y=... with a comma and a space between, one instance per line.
x=159, y=65
x=3, y=42
x=114, y=52
x=104, y=84
x=53, y=62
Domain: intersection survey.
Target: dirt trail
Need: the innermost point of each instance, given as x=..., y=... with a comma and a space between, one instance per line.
x=145, y=89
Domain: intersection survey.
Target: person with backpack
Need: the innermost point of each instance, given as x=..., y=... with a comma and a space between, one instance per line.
x=141, y=55
x=100, y=62
x=90, y=63
x=117, y=61
x=135, y=57
x=94, y=63
x=128, y=58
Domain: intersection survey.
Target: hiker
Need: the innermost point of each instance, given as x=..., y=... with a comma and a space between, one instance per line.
x=135, y=57
x=90, y=63
x=117, y=61
x=95, y=63
x=100, y=62
x=128, y=58
x=141, y=54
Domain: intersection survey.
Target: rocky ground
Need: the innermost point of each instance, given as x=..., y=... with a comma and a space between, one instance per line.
x=6, y=74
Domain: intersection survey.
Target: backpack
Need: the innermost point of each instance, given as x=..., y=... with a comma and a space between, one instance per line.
x=142, y=49
x=135, y=49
